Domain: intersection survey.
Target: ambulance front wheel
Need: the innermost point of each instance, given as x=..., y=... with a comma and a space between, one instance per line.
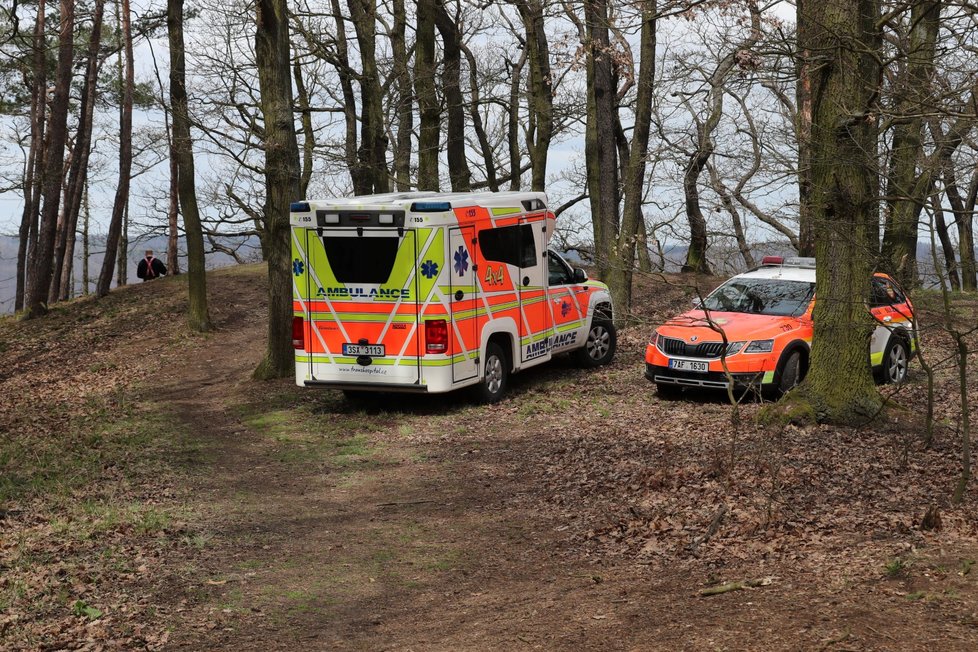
x=495, y=375
x=599, y=348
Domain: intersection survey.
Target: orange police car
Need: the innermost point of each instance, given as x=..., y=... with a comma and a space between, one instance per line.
x=766, y=315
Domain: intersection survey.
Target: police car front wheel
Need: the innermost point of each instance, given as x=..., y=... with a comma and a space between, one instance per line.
x=896, y=361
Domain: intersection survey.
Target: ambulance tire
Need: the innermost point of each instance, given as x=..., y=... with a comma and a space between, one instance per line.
x=600, y=345
x=495, y=375
x=896, y=362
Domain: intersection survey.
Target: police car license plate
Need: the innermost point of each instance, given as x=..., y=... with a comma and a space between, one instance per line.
x=373, y=350
x=689, y=365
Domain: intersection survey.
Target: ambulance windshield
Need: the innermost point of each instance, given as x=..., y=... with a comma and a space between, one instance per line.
x=761, y=296
x=361, y=259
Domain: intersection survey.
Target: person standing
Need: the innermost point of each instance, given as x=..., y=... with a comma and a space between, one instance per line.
x=150, y=268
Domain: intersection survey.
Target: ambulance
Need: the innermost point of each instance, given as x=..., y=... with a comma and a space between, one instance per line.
x=432, y=292
x=766, y=315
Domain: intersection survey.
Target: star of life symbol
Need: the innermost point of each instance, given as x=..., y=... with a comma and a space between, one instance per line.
x=461, y=261
x=297, y=267
x=429, y=269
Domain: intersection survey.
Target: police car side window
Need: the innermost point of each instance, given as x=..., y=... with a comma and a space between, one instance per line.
x=512, y=245
x=886, y=293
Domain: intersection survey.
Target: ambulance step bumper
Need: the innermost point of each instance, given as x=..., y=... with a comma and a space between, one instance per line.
x=368, y=387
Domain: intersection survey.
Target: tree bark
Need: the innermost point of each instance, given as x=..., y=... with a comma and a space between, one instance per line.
x=198, y=317
x=358, y=175
x=78, y=173
x=947, y=247
x=424, y=88
x=513, y=121
x=803, y=135
x=620, y=274
x=458, y=166
x=964, y=219
x=373, y=136
x=599, y=140
x=39, y=277
x=540, y=96
x=281, y=180
x=405, y=95
x=125, y=164
x=905, y=196
x=308, y=134
x=845, y=43
x=33, y=170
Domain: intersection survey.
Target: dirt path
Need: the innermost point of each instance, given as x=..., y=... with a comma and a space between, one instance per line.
x=428, y=524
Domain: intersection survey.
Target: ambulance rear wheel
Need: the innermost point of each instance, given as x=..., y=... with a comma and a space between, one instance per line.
x=495, y=376
x=599, y=348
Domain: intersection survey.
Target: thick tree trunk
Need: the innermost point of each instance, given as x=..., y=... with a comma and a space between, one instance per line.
x=373, y=135
x=601, y=151
x=803, y=134
x=78, y=175
x=696, y=262
x=620, y=274
x=281, y=180
x=125, y=164
x=424, y=88
x=405, y=95
x=540, y=100
x=198, y=316
x=173, y=212
x=905, y=195
x=513, y=121
x=839, y=385
x=39, y=276
x=458, y=166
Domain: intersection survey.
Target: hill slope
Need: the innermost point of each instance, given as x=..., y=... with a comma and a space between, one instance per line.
x=153, y=496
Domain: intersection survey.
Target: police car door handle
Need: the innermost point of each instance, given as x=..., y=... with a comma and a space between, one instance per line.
x=887, y=318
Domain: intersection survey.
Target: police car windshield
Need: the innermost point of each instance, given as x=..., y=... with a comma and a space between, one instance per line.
x=761, y=296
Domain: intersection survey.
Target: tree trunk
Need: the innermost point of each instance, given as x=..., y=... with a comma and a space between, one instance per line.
x=964, y=219
x=373, y=136
x=696, y=253
x=39, y=277
x=540, y=100
x=33, y=171
x=78, y=173
x=173, y=212
x=458, y=166
x=839, y=385
x=599, y=140
x=308, y=134
x=485, y=146
x=424, y=87
x=198, y=316
x=358, y=175
x=405, y=105
x=86, y=252
x=947, y=247
x=620, y=274
x=281, y=180
x=125, y=164
x=905, y=196
x=513, y=121
x=803, y=134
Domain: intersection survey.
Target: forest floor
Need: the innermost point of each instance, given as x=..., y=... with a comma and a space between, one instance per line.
x=153, y=496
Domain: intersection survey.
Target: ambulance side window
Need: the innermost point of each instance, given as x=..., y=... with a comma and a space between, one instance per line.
x=512, y=245
x=558, y=272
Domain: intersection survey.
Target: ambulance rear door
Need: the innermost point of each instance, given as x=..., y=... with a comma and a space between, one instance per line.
x=363, y=310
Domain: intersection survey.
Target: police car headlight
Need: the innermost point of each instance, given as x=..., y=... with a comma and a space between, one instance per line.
x=734, y=347
x=655, y=338
x=760, y=346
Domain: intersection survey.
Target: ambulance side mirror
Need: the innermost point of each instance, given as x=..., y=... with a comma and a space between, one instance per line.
x=697, y=302
x=580, y=275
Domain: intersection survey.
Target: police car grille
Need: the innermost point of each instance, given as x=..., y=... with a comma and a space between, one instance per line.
x=673, y=346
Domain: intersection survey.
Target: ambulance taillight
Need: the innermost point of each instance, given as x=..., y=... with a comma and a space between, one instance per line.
x=436, y=336
x=298, y=333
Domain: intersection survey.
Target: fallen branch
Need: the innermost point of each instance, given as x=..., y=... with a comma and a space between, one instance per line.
x=736, y=586
x=410, y=502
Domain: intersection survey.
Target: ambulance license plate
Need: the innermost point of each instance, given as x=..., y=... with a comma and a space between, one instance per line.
x=373, y=350
x=689, y=365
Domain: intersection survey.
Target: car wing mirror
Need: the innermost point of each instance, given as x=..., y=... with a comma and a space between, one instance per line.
x=579, y=275
x=697, y=302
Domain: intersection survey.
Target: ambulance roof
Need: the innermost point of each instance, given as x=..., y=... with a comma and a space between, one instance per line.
x=404, y=200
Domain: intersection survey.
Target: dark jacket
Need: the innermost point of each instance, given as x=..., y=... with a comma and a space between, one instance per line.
x=150, y=268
